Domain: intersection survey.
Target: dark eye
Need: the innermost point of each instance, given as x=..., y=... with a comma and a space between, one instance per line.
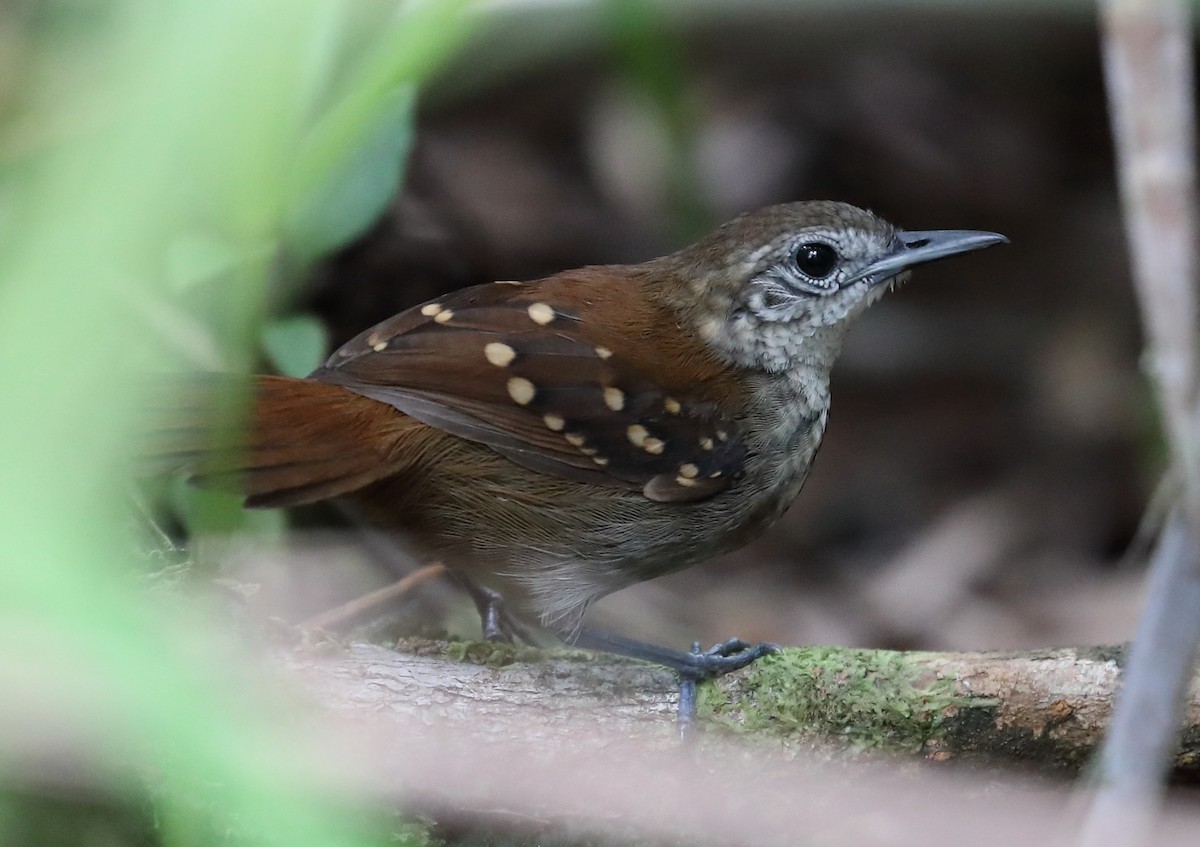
x=816, y=259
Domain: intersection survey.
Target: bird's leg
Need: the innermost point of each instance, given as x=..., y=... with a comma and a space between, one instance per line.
x=686, y=713
x=498, y=624
x=692, y=667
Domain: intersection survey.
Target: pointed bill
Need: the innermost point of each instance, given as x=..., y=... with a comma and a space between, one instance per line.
x=915, y=248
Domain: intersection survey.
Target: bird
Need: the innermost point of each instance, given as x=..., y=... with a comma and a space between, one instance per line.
x=556, y=440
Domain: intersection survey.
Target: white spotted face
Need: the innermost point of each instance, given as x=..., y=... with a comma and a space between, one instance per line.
x=779, y=288
x=801, y=295
x=815, y=276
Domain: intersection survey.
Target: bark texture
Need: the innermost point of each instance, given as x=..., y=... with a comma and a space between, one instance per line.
x=1046, y=708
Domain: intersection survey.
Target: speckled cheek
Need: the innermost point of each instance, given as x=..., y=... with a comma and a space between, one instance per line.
x=849, y=303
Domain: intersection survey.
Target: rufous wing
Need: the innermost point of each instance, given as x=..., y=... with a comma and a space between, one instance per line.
x=519, y=368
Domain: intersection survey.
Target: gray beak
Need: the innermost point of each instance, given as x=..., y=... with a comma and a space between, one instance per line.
x=916, y=248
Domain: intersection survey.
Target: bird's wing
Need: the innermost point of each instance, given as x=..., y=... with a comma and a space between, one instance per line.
x=516, y=368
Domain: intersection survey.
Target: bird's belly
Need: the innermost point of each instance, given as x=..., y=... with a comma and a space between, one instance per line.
x=554, y=546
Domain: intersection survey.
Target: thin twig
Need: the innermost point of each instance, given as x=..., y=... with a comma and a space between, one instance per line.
x=376, y=602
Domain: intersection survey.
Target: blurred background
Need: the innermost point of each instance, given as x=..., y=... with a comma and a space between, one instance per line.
x=222, y=185
x=992, y=445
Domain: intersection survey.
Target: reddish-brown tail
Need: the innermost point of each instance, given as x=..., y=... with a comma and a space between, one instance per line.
x=306, y=441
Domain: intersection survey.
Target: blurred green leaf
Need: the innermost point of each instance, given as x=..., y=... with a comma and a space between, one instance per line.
x=354, y=195
x=376, y=92
x=296, y=345
x=162, y=146
x=195, y=257
x=220, y=512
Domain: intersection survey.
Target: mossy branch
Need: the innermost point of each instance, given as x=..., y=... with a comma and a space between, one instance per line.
x=1046, y=709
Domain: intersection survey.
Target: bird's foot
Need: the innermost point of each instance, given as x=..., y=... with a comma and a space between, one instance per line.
x=498, y=625
x=730, y=655
x=693, y=667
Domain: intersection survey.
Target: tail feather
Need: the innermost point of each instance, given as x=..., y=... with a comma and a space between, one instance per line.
x=304, y=441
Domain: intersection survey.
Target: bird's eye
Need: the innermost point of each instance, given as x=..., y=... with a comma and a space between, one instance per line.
x=815, y=259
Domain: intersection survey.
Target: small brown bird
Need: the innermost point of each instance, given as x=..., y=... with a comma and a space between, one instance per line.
x=558, y=440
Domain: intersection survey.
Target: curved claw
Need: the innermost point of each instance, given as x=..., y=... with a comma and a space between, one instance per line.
x=730, y=655
x=723, y=658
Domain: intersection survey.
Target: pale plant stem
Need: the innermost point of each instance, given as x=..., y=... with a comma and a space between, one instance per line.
x=1147, y=47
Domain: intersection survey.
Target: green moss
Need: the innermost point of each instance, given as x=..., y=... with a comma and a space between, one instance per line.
x=870, y=699
x=492, y=654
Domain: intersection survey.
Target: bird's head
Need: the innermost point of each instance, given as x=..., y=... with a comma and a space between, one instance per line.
x=777, y=288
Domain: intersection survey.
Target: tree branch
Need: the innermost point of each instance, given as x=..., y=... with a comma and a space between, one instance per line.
x=1046, y=709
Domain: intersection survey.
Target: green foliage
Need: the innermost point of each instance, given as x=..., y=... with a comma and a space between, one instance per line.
x=296, y=345
x=148, y=175
x=204, y=511
x=344, y=206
